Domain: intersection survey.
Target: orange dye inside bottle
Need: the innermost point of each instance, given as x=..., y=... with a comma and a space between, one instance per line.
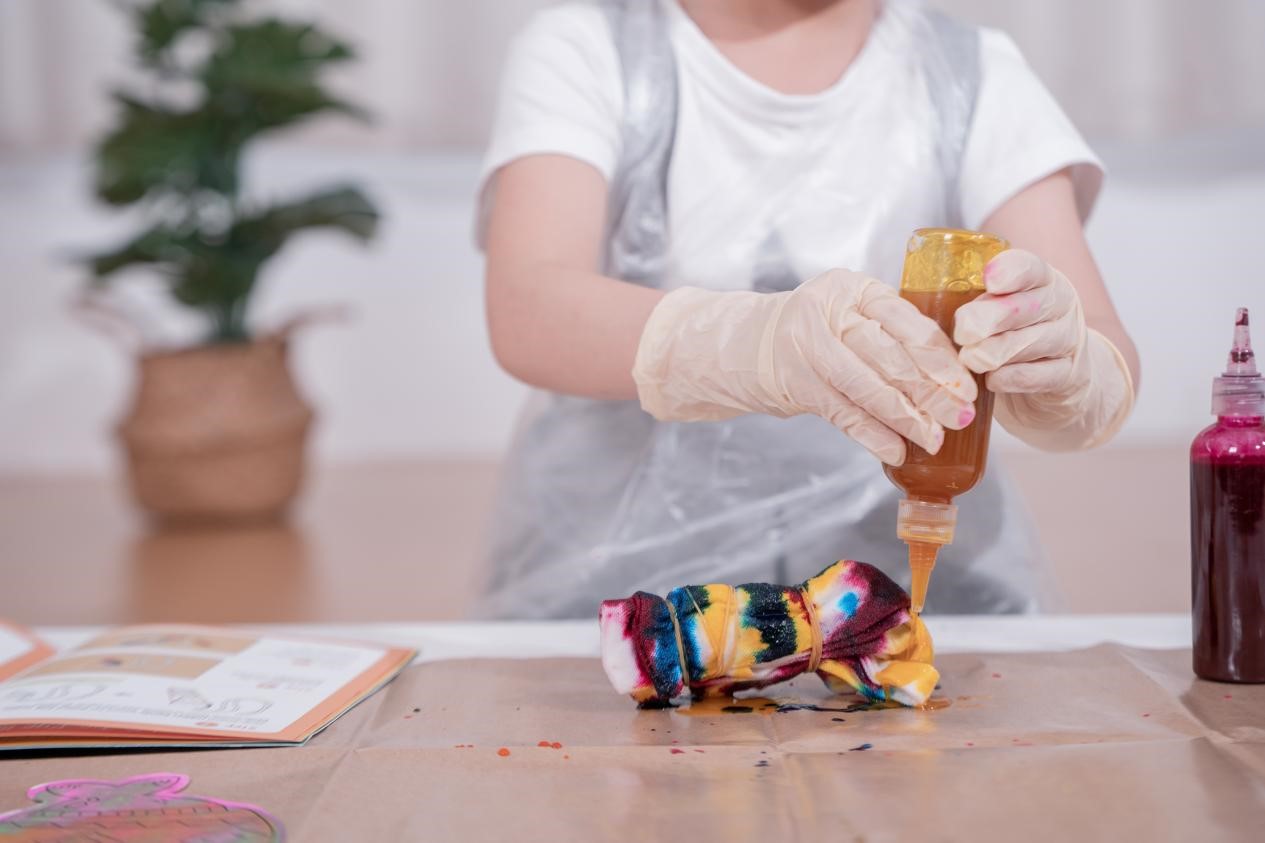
x=944, y=269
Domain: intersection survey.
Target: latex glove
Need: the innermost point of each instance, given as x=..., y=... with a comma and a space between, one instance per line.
x=841, y=346
x=1060, y=386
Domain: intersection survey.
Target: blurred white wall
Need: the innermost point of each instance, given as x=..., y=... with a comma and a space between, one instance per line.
x=1173, y=93
x=428, y=68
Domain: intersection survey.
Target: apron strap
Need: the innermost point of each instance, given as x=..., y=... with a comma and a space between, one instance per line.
x=637, y=214
x=951, y=68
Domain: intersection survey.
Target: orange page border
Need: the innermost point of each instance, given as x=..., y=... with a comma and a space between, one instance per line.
x=393, y=660
x=40, y=650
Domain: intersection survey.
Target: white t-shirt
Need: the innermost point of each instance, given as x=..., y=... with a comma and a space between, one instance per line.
x=842, y=177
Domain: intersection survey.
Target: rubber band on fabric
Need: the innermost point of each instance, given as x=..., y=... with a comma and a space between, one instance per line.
x=814, y=629
x=680, y=646
x=857, y=619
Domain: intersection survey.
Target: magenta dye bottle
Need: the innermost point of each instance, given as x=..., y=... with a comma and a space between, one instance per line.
x=1227, y=523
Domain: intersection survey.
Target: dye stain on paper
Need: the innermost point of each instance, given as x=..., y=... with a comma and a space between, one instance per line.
x=763, y=705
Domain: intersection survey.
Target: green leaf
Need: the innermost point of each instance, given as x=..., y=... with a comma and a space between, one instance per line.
x=157, y=245
x=216, y=279
x=154, y=149
x=161, y=23
x=343, y=208
x=264, y=75
x=273, y=52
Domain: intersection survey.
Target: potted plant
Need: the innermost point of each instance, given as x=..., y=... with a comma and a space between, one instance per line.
x=215, y=431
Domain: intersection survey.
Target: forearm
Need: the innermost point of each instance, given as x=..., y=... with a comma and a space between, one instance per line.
x=565, y=329
x=1068, y=385
x=555, y=321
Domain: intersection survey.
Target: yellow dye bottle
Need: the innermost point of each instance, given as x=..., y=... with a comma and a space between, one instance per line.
x=944, y=269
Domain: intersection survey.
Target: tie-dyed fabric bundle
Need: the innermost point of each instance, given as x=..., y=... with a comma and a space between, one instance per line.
x=850, y=623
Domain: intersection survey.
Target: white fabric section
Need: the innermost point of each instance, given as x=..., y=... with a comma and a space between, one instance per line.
x=561, y=639
x=562, y=91
x=561, y=94
x=841, y=176
x=1019, y=135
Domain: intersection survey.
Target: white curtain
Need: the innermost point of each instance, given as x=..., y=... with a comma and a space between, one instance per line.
x=1131, y=69
x=1141, y=69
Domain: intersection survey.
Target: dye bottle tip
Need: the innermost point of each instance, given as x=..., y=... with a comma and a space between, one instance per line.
x=1240, y=390
x=1242, y=360
x=924, y=526
x=922, y=561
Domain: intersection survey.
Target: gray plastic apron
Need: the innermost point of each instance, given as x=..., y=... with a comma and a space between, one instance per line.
x=600, y=500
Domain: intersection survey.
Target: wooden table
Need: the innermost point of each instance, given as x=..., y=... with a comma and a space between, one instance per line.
x=365, y=543
x=406, y=541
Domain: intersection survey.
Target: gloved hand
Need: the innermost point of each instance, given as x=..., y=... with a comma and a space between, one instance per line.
x=1060, y=386
x=841, y=346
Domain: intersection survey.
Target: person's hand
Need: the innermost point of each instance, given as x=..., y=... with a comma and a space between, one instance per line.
x=841, y=346
x=1060, y=385
x=1026, y=330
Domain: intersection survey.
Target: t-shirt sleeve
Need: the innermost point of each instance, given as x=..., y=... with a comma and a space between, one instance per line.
x=1018, y=136
x=561, y=93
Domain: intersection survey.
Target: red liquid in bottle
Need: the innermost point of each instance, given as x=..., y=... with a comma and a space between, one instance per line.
x=1227, y=542
x=1227, y=520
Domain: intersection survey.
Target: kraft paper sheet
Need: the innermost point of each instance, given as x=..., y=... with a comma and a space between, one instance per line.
x=1110, y=742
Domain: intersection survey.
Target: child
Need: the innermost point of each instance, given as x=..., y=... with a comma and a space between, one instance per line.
x=661, y=179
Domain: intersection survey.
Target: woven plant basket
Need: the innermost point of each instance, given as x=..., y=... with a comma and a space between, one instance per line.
x=216, y=433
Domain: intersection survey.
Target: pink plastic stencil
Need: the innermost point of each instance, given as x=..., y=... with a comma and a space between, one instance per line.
x=142, y=809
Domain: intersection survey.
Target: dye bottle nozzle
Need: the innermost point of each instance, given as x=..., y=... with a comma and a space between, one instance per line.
x=924, y=526
x=1240, y=390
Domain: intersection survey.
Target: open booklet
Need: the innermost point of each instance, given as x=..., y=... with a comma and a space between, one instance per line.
x=148, y=686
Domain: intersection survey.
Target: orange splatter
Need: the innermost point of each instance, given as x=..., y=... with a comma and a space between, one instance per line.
x=503, y=752
x=545, y=744
x=556, y=745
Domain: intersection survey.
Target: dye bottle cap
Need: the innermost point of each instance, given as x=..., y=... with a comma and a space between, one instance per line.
x=952, y=259
x=1240, y=391
x=926, y=522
